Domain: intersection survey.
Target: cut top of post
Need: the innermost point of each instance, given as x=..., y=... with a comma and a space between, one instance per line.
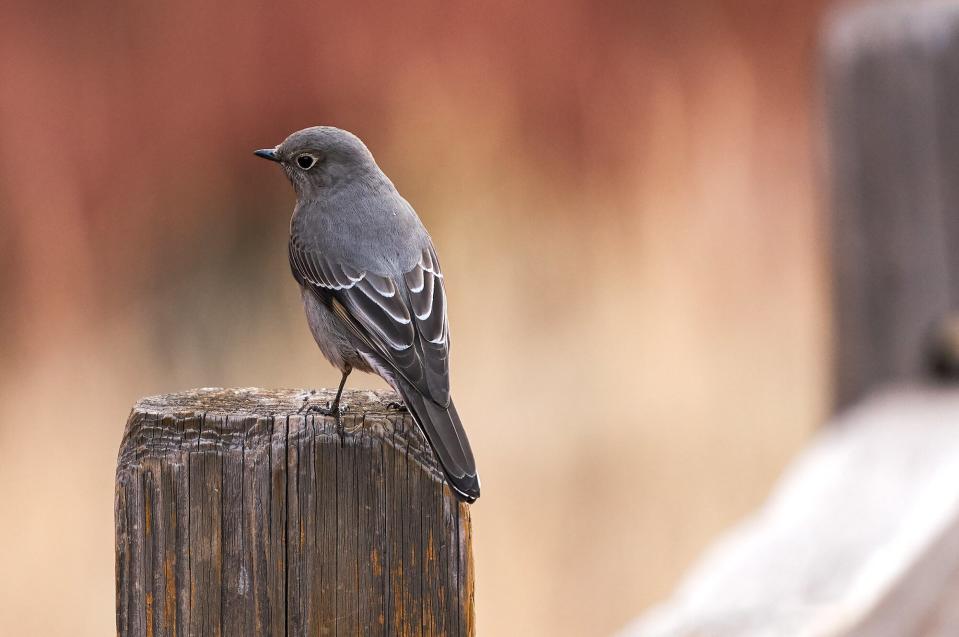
x=215, y=418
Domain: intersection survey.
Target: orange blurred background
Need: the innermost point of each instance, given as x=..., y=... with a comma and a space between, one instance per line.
x=624, y=197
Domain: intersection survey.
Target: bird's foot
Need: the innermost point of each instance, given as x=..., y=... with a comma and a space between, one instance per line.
x=337, y=409
x=395, y=404
x=328, y=409
x=305, y=397
x=323, y=410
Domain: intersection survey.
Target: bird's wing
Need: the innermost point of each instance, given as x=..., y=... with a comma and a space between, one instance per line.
x=402, y=318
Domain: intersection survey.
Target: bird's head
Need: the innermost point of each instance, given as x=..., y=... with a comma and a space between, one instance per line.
x=319, y=157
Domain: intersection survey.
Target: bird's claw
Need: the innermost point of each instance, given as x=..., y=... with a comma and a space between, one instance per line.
x=328, y=409
x=314, y=409
x=338, y=409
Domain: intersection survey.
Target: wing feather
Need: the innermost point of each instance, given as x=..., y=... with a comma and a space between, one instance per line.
x=401, y=319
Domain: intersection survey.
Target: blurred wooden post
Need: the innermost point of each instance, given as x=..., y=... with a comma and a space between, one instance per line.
x=236, y=516
x=892, y=97
x=861, y=536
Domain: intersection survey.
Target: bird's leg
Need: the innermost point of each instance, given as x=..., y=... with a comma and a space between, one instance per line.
x=335, y=405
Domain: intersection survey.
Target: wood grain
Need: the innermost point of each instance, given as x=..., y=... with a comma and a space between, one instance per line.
x=236, y=515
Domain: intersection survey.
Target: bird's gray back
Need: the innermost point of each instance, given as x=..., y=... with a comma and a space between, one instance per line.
x=364, y=224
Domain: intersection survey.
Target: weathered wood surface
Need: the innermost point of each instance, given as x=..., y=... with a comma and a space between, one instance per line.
x=860, y=538
x=236, y=516
x=892, y=95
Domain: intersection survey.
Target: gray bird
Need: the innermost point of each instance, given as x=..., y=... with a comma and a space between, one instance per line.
x=371, y=284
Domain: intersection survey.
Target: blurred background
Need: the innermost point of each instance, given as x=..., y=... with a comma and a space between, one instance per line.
x=624, y=197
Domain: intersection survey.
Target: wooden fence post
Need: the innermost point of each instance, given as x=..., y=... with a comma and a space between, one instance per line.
x=892, y=99
x=861, y=536
x=236, y=515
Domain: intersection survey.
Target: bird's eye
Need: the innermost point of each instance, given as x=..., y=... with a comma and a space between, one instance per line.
x=306, y=161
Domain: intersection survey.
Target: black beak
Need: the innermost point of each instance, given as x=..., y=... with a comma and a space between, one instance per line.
x=267, y=153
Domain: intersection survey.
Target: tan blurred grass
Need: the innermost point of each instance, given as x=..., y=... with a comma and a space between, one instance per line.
x=623, y=202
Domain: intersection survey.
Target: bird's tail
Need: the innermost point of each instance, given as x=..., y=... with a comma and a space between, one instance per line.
x=445, y=432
